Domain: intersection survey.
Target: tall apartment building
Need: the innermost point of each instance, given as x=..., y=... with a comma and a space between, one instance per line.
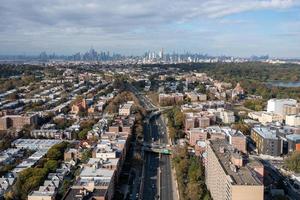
x=196, y=134
x=227, y=116
x=277, y=105
x=197, y=120
x=291, y=109
x=170, y=99
x=194, y=97
x=17, y=121
x=227, y=176
x=266, y=141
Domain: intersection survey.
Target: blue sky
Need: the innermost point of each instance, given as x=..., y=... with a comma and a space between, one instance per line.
x=216, y=27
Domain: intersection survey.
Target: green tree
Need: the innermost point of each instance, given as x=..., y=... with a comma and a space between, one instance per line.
x=51, y=165
x=293, y=162
x=87, y=154
x=57, y=151
x=83, y=133
x=254, y=104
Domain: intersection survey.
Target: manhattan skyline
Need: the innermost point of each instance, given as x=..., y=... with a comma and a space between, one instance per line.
x=236, y=28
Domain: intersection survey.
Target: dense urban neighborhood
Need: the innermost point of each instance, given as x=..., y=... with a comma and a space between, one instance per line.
x=89, y=130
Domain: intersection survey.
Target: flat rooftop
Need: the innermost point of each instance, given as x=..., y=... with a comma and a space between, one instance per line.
x=265, y=132
x=126, y=106
x=96, y=173
x=243, y=175
x=293, y=137
x=35, y=143
x=76, y=194
x=232, y=132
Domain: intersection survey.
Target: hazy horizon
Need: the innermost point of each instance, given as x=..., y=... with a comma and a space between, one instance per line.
x=238, y=28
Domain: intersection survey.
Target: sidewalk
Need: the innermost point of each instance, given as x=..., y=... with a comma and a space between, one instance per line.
x=175, y=185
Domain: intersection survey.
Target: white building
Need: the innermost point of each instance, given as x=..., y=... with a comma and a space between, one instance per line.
x=226, y=116
x=277, y=105
x=125, y=109
x=292, y=120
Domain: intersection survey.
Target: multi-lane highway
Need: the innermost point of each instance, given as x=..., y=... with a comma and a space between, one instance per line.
x=166, y=189
x=151, y=165
x=157, y=175
x=157, y=170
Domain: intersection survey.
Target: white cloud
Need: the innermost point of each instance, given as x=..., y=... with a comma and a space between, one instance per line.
x=122, y=13
x=52, y=22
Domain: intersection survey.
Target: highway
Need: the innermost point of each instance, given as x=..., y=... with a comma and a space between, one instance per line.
x=151, y=165
x=157, y=174
x=166, y=189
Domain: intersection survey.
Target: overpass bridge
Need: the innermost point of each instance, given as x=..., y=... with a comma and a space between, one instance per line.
x=157, y=148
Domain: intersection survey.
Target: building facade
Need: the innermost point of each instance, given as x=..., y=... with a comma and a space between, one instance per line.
x=266, y=141
x=227, y=177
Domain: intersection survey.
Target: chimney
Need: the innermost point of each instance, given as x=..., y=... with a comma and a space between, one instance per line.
x=237, y=160
x=222, y=149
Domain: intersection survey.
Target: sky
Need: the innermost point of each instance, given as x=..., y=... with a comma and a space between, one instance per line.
x=131, y=27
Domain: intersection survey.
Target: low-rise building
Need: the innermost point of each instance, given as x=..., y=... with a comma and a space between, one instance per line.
x=49, y=189
x=238, y=91
x=125, y=109
x=96, y=181
x=265, y=117
x=235, y=138
x=79, y=106
x=292, y=120
x=293, y=142
x=51, y=133
x=72, y=154
x=5, y=184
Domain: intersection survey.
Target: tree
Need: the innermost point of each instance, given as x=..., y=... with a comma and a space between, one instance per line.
x=254, y=104
x=178, y=118
x=57, y=151
x=201, y=88
x=244, y=128
x=28, y=180
x=54, y=154
x=83, y=133
x=51, y=165
x=293, y=162
x=207, y=196
x=87, y=154
x=172, y=133
x=193, y=190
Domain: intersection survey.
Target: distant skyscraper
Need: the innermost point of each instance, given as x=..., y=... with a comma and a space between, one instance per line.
x=161, y=54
